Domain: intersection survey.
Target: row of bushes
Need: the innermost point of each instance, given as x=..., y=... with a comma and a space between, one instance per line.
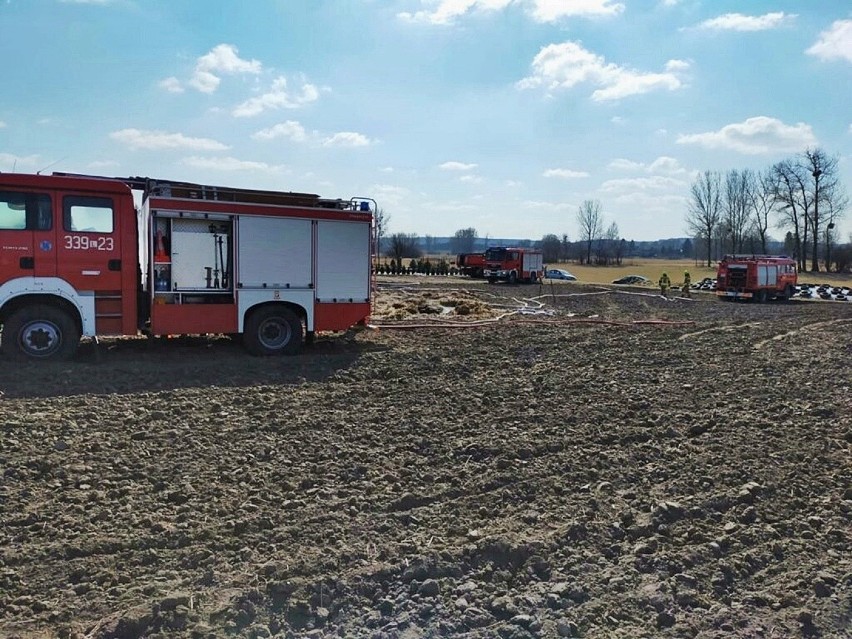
x=424, y=266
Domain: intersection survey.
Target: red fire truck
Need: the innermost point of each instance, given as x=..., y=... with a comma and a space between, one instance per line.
x=471, y=264
x=77, y=259
x=513, y=265
x=757, y=277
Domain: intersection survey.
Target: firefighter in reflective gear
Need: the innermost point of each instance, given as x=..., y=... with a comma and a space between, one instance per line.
x=687, y=283
x=664, y=283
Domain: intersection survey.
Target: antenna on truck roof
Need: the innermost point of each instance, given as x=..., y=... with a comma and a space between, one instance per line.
x=51, y=164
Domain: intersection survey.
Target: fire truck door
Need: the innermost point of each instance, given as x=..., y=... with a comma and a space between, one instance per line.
x=27, y=235
x=89, y=252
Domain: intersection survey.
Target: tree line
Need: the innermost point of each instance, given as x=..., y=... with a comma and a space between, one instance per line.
x=726, y=213
x=801, y=195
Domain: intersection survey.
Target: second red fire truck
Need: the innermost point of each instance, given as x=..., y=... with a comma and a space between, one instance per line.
x=756, y=277
x=513, y=265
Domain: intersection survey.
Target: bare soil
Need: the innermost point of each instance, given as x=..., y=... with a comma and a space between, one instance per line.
x=492, y=461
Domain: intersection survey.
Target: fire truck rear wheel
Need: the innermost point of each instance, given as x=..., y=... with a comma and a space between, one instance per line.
x=40, y=332
x=513, y=278
x=273, y=330
x=761, y=296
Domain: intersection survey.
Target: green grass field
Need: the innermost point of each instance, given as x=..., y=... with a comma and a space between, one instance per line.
x=653, y=268
x=650, y=268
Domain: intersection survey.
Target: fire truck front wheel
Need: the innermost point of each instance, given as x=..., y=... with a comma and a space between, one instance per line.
x=40, y=332
x=273, y=330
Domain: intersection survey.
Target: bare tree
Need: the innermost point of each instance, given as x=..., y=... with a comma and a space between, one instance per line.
x=381, y=219
x=834, y=208
x=705, y=208
x=464, y=240
x=590, y=220
x=610, y=242
x=403, y=245
x=737, y=206
x=762, y=197
x=825, y=187
x=786, y=179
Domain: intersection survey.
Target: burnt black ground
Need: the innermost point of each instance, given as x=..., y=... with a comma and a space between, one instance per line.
x=535, y=477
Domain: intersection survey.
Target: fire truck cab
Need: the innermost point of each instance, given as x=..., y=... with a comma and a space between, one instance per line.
x=513, y=265
x=756, y=277
x=78, y=259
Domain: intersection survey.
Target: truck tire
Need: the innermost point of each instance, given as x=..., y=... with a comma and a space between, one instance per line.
x=761, y=296
x=40, y=332
x=513, y=278
x=788, y=293
x=273, y=330
x=533, y=277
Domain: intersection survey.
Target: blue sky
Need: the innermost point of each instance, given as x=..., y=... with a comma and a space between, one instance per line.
x=502, y=115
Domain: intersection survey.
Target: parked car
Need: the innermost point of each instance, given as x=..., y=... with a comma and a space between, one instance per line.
x=559, y=274
x=631, y=279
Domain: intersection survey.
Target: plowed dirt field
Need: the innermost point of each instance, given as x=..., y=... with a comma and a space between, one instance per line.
x=611, y=464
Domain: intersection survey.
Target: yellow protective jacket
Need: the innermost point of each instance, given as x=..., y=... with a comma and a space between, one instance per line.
x=664, y=280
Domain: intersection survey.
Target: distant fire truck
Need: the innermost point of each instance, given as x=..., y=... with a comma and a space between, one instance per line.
x=513, y=265
x=77, y=259
x=757, y=277
x=471, y=264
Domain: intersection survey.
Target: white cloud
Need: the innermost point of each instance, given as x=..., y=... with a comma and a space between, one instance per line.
x=664, y=165
x=457, y=166
x=296, y=132
x=471, y=179
x=10, y=162
x=86, y=1
x=565, y=65
x=278, y=97
x=221, y=59
x=2, y=124
x=549, y=206
x=834, y=43
x=172, y=85
x=289, y=129
x=103, y=164
x=551, y=10
x=754, y=136
x=138, y=139
x=231, y=164
x=347, y=139
x=669, y=3
x=447, y=11
x=621, y=164
x=740, y=22
x=652, y=183
x=565, y=174
x=677, y=65
x=390, y=195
